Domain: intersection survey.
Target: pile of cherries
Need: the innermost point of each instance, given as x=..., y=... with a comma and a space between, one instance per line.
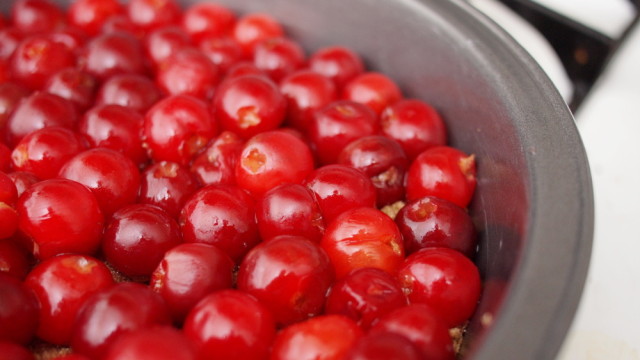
x=188, y=184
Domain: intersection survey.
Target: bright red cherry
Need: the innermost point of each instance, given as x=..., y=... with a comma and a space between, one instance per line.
x=339, y=188
x=248, y=105
x=435, y=222
x=325, y=337
x=37, y=58
x=161, y=43
x=167, y=185
x=230, y=324
x=251, y=29
x=8, y=190
x=278, y=57
x=74, y=85
x=90, y=15
x=336, y=125
x=290, y=275
x=384, y=346
x=421, y=325
x=205, y=21
x=443, y=279
x=223, y=216
x=150, y=14
x=10, y=38
x=19, y=310
x=62, y=284
x=112, y=54
x=37, y=16
x=155, y=343
x=306, y=91
x=134, y=91
x=8, y=220
x=224, y=52
x=242, y=68
x=112, y=177
x=178, y=127
x=60, y=216
x=363, y=237
x=373, y=89
x=189, y=272
x=338, y=63
x=216, y=165
x=112, y=312
x=444, y=172
x=272, y=158
x=190, y=72
x=137, y=237
x=289, y=209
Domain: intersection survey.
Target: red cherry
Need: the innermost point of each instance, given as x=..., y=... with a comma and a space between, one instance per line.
x=189, y=272
x=112, y=54
x=62, y=284
x=422, y=326
x=74, y=85
x=167, y=185
x=415, y=125
x=375, y=90
x=112, y=177
x=161, y=43
x=272, y=158
x=133, y=91
x=13, y=351
x=111, y=312
x=434, y=222
x=178, y=127
x=289, y=209
x=230, y=324
x=10, y=96
x=37, y=58
x=278, y=57
x=90, y=15
x=325, y=337
x=290, y=275
x=336, y=125
x=60, y=216
x=223, y=216
x=150, y=14
x=224, y=52
x=216, y=165
x=137, y=237
x=251, y=29
x=364, y=295
x=23, y=180
x=18, y=310
x=306, y=91
x=37, y=16
x=248, y=105
x=338, y=63
x=205, y=21
x=444, y=172
x=190, y=72
x=363, y=237
x=339, y=188
x=445, y=280
x=384, y=346
x=14, y=259
x=156, y=343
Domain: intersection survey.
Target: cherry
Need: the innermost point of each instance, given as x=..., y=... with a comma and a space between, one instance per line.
x=364, y=295
x=223, y=216
x=290, y=275
x=60, y=216
x=422, y=326
x=289, y=209
x=37, y=58
x=36, y=16
x=444, y=172
x=339, y=188
x=10, y=96
x=37, y=111
x=248, y=105
x=306, y=91
x=224, y=52
x=74, y=85
x=23, y=180
x=177, y=128
x=8, y=220
x=167, y=185
x=162, y=42
x=18, y=310
x=110, y=313
x=336, y=125
x=230, y=324
x=5, y=155
x=71, y=37
x=216, y=165
x=14, y=260
x=190, y=72
x=151, y=14
x=271, y=158
x=373, y=89
x=325, y=337
x=384, y=346
x=205, y=21
x=114, y=127
x=383, y=160
x=338, y=63
x=363, y=237
x=189, y=272
x=13, y=351
x=112, y=177
x=154, y=343
x=90, y=15
x=112, y=54
x=43, y=152
x=415, y=125
x=434, y=222
x=61, y=285
x=251, y=29
x=8, y=190
x=121, y=23
x=445, y=280
x=133, y=91
x=137, y=237
x=278, y=57
x=242, y=68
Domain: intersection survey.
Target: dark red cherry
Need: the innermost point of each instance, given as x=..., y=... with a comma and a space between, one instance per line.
x=384, y=346
x=112, y=54
x=13, y=351
x=373, y=89
x=190, y=72
x=90, y=15
x=161, y=43
x=38, y=58
x=306, y=91
x=278, y=57
x=14, y=259
x=154, y=343
x=224, y=52
x=19, y=310
x=251, y=29
x=74, y=85
x=150, y=14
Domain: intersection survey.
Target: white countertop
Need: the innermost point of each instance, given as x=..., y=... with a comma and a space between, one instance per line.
x=606, y=324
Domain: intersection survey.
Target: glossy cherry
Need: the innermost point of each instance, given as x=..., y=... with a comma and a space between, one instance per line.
x=190, y=72
x=137, y=237
x=278, y=57
x=150, y=14
x=37, y=16
x=23, y=180
x=216, y=165
x=384, y=346
x=61, y=285
x=338, y=63
x=74, y=85
x=189, y=272
x=14, y=260
x=37, y=58
x=154, y=343
x=203, y=21
x=251, y=29
x=133, y=91
x=306, y=91
x=19, y=310
x=373, y=89
x=167, y=185
x=112, y=54
x=90, y=15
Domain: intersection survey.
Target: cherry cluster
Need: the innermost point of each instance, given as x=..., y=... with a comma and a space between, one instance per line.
x=189, y=184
